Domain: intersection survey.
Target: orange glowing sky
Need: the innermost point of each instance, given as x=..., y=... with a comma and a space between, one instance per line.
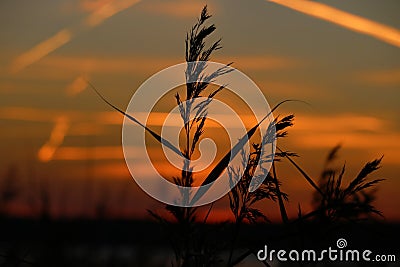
x=342, y=57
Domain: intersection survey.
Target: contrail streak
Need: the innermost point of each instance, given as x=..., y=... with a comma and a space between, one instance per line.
x=46, y=152
x=77, y=86
x=41, y=50
x=347, y=20
x=67, y=34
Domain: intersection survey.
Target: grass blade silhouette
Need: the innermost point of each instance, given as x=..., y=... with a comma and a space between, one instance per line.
x=305, y=175
x=224, y=162
x=163, y=141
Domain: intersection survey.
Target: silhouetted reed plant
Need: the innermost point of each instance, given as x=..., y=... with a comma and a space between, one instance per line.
x=191, y=243
x=339, y=202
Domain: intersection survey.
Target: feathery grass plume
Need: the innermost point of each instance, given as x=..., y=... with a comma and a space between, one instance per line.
x=279, y=127
x=241, y=199
x=280, y=131
x=339, y=202
x=224, y=162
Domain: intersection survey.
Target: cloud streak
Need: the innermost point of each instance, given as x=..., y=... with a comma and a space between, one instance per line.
x=178, y=9
x=62, y=37
x=78, y=85
x=390, y=77
x=347, y=20
x=41, y=50
x=355, y=131
x=108, y=10
x=59, y=67
x=47, y=151
x=328, y=123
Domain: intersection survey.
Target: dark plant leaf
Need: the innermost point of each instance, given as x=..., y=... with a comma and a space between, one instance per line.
x=155, y=135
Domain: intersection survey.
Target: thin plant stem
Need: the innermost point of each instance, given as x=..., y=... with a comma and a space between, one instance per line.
x=282, y=207
x=208, y=213
x=306, y=176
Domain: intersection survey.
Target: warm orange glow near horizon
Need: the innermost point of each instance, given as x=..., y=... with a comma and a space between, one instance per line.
x=57, y=132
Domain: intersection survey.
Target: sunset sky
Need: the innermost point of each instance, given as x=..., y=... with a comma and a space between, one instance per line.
x=341, y=57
